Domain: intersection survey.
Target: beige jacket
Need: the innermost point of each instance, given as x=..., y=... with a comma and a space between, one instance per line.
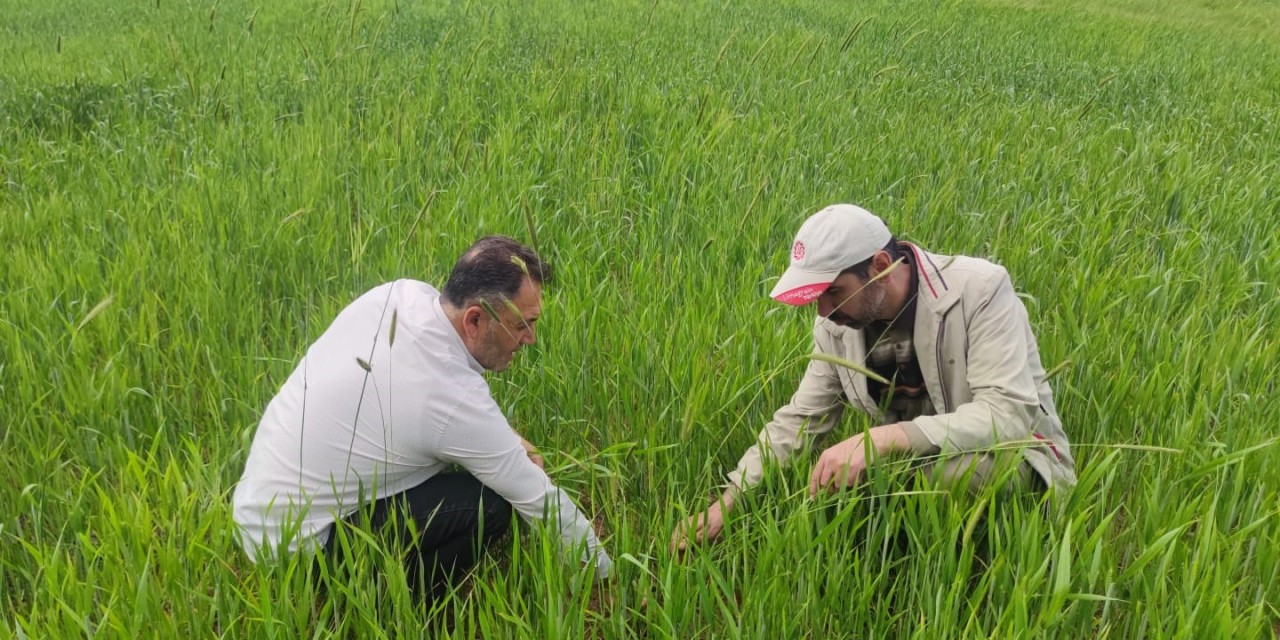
x=980, y=364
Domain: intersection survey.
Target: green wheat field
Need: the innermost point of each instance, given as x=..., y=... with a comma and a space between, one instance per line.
x=191, y=189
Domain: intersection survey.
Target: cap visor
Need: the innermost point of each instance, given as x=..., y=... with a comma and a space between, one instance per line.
x=798, y=287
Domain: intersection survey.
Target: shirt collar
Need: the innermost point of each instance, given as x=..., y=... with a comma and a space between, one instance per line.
x=455, y=340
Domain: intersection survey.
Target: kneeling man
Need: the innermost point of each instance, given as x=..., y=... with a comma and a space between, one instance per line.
x=393, y=394
x=956, y=372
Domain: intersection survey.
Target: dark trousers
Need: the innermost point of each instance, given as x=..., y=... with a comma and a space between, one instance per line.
x=443, y=524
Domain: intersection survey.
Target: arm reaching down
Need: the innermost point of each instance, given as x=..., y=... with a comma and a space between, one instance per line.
x=478, y=438
x=814, y=410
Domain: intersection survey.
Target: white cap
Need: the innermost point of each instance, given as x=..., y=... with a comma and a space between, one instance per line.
x=829, y=242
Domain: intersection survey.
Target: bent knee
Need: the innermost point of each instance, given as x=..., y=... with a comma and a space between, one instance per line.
x=497, y=513
x=976, y=472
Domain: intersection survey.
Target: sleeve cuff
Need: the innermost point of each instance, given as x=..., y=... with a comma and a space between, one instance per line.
x=604, y=565
x=919, y=442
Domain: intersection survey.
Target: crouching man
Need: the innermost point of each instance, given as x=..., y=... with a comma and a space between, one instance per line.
x=957, y=375
x=388, y=398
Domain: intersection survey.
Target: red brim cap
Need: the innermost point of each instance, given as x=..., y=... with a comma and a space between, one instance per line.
x=799, y=287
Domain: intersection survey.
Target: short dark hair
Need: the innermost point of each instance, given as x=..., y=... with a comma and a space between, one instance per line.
x=493, y=269
x=863, y=269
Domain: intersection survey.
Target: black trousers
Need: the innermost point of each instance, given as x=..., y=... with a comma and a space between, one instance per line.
x=443, y=523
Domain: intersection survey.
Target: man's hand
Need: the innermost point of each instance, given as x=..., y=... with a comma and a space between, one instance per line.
x=534, y=456
x=844, y=464
x=702, y=527
x=839, y=467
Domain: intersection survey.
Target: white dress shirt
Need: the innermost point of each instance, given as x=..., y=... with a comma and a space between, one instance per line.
x=374, y=409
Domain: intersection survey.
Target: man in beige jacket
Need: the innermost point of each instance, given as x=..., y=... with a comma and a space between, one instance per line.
x=956, y=372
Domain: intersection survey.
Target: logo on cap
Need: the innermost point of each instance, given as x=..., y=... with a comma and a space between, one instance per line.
x=797, y=251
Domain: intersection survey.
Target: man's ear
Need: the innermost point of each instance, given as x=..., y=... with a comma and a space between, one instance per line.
x=879, y=262
x=471, y=317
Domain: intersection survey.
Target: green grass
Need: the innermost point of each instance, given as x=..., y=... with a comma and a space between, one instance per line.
x=190, y=190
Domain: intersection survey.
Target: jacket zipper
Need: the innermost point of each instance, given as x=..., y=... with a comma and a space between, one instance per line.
x=937, y=351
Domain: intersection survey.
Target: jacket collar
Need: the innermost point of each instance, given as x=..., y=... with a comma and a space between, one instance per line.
x=933, y=293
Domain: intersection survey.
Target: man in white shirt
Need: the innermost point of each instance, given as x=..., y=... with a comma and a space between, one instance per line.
x=391, y=395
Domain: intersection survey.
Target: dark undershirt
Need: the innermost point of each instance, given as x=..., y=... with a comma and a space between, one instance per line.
x=891, y=354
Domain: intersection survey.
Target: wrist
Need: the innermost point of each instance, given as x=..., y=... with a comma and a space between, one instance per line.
x=726, y=500
x=890, y=438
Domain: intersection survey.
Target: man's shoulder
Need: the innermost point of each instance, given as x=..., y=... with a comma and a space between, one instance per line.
x=402, y=289
x=969, y=273
x=409, y=288
x=967, y=265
